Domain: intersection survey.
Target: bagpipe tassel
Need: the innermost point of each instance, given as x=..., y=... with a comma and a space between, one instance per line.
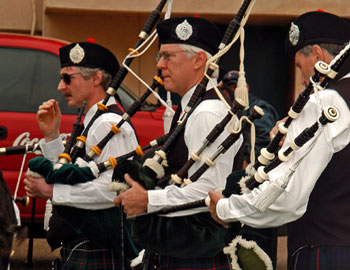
x=271, y=193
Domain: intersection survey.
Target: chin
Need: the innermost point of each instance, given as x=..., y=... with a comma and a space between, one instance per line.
x=72, y=104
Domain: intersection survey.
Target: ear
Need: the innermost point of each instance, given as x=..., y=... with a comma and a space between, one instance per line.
x=318, y=53
x=200, y=60
x=97, y=78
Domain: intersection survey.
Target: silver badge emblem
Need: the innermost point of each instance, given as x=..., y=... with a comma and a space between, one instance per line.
x=184, y=30
x=294, y=34
x=76, y=54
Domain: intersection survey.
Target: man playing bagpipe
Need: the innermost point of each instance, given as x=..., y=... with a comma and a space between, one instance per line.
x=84, y=219
x=188, y=239
x=312, y=187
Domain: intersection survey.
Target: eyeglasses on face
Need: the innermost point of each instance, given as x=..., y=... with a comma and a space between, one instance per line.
x=66, y=78
x=166, y=55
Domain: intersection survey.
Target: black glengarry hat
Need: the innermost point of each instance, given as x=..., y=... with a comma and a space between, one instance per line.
x=88, y=54
x=314, y=28
x=194, y=31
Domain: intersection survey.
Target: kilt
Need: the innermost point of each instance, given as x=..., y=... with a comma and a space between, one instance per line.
x=219, y=262
x=86, y=256
x=320, y=258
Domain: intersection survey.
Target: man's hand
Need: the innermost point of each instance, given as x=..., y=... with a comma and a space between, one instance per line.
x=49, y=119
x=134, y=200
x=274, y=131
x=37, y=188
x=214, y=198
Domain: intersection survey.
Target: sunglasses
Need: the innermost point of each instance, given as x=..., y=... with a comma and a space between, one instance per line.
x=66, y=78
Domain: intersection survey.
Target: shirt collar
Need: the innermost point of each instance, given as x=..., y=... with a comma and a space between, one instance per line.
x=186, y=98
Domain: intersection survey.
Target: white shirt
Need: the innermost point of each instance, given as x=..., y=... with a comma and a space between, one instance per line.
x=93, y=194
x=199, y=124
x=292, y=203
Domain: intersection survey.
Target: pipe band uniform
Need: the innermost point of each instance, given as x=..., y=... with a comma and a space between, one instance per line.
x=189, y=238
x=314, y=201
x=83, y=214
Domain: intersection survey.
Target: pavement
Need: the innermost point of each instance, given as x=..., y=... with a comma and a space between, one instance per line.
x=42, y=255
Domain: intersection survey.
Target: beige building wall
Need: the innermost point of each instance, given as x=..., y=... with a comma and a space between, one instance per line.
x=117, y=23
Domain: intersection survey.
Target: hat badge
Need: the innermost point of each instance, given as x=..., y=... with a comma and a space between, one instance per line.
x=76, y=54
x=184, y=30
x=294, y=34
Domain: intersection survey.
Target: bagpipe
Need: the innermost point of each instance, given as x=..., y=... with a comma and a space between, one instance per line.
x=237, y=106
x=20, y=149
x=328, y=115
x=153, y=167
x=255, y=113
x=323, y=71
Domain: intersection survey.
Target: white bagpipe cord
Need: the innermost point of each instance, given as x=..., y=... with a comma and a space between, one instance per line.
x=241, y=91
x=22, y=166
x=211, y=61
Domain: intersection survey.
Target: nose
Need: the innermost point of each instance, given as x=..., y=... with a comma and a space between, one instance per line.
x=161, y=63
x=61, y=85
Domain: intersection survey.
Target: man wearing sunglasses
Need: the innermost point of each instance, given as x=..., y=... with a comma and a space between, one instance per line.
x=91, y=235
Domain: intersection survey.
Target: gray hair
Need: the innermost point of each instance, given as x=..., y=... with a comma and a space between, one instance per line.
x=87, y=73
x=332, y=49
x=190, y=50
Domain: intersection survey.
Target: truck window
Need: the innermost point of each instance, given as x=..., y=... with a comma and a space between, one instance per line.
x=28, y=78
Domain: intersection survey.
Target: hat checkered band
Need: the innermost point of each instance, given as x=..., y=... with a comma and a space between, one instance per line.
x=76, y=54
x=184, y=30
x=294, y=34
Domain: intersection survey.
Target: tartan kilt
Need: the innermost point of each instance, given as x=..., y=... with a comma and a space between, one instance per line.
x=320, y=258
x=86, y=256
x=219, y=262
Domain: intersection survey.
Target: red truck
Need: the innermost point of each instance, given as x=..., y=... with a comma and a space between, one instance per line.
x=29, y=75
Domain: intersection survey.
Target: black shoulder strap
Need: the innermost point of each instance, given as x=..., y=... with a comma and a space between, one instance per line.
x=343, y=88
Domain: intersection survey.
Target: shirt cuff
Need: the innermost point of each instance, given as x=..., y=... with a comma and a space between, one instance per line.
x=222, y=208
x=51, y=149
x=156, y=199
x=60, y=194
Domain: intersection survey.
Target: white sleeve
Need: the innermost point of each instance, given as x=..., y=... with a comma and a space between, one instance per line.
x=292, y=203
